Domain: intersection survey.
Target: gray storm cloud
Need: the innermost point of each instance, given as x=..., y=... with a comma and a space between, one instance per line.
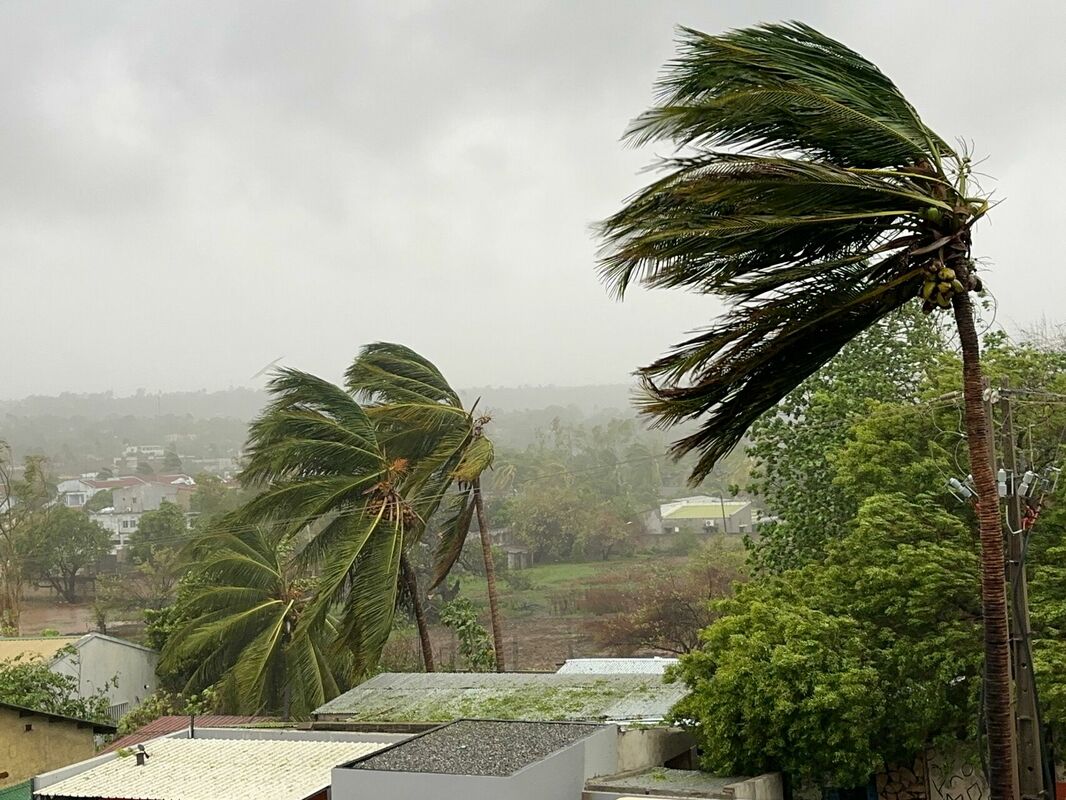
x=188, y=191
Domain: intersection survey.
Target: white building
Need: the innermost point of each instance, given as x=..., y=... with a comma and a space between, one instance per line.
x=125, y=671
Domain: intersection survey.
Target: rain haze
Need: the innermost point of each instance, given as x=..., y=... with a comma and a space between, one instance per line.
x=190, y=191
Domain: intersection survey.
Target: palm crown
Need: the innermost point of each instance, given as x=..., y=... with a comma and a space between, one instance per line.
x=807, y=191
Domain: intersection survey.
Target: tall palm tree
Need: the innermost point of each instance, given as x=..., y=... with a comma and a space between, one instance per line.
x=243, y=629
x=807, y=191
x=316, y=457
x=422, y=417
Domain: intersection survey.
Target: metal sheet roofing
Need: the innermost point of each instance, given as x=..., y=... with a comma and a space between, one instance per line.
x=172, y=724
x=206, y=769
x=538, y=697
x=616, y=666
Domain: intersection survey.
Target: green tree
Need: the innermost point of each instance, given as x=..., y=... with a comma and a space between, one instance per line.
x=163, y=528
x=423, y=420
x=832, y=670
x=829, y=206
x=22, y=502
x=62, y=544
x=246, y=628
x=316, y=458
x=101, y=500
x=793, y=448
x=172, y=462
x=30, y=682
x=475, y=646
x=212, y=497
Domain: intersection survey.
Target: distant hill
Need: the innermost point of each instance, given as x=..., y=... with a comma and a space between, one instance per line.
x=588, y=399
x=83, y=432
x=240, y=403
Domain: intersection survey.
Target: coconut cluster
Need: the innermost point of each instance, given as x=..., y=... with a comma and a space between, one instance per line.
x=942, y=283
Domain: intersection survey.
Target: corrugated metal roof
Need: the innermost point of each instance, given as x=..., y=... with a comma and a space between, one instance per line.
x=616, y=666
x=207, y=769
x=172, y=724
x=546, y=697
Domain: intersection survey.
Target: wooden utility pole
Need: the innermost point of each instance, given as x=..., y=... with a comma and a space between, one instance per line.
x=1028, y=738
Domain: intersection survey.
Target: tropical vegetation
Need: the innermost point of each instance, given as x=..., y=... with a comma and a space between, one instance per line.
x=810, y=193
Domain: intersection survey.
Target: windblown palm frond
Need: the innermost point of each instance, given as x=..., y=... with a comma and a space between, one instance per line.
x=317, y=458
x=422, y=419
x=830, y=205
x=243, y=626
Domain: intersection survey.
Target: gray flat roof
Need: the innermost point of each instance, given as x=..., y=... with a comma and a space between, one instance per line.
x=478, y=747
x=663, y=782
x=537, y=697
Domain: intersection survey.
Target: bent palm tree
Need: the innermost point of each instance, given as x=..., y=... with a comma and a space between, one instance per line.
x=422, y=418
x=316, y=456
x=812, y=196
x=244, y=626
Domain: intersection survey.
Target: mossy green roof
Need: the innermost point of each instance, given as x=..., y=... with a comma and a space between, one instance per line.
x=704, y=510
x=538, y=697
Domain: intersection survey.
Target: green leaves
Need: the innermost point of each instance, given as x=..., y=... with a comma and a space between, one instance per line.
x=813, y=219
x=785, y=87
x=830, y=671
x=245, y=626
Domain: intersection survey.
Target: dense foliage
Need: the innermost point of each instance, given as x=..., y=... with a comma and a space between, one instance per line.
x=31, y=683
x=871, y=636
x=830, y=670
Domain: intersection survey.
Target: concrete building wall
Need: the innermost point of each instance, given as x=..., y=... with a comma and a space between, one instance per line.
x=47, y=745
x=144, y=496
x=639, y=748
x=560, y=776
x=100, y=659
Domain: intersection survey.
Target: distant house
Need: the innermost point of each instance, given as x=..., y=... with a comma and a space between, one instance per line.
x=124, y=670
x=151, y=492
x=32, y=742
x=704, y=514
x=132, y=496
x=76, y=492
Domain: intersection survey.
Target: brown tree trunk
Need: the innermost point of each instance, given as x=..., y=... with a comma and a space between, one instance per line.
x=411, y=582
x=997, y=689
x=490, y=577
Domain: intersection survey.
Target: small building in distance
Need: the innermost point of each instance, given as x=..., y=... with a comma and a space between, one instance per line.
x=125, y=671
x=33, y=741
x=704, y=515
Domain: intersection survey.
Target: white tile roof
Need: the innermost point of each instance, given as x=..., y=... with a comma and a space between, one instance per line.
x=616, y=666
x=207, y=769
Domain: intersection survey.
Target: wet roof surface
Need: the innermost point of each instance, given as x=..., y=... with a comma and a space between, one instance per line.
x=479, y=747
x=538, y=697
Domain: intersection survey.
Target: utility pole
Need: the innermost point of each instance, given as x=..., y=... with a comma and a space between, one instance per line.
x=1028, y=738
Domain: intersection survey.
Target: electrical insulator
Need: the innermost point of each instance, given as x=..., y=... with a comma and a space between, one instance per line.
x=1001, y=480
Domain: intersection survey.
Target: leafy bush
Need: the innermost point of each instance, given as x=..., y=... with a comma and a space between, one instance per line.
x=475, y=645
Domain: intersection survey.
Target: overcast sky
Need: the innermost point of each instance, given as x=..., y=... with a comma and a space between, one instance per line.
x=191, y=190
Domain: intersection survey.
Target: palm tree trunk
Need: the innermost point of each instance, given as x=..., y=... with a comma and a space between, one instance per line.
x=411, y=582
x=490, y=577
x=997, y=689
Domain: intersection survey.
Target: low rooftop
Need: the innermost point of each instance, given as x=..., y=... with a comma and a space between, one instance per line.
x=663, y=782
x=206, y=769
x=478, y=747
x=535, y=697
x=173, y=724
x=655, y=665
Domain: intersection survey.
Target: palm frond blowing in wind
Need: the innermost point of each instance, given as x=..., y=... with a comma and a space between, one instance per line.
x=810, y=194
